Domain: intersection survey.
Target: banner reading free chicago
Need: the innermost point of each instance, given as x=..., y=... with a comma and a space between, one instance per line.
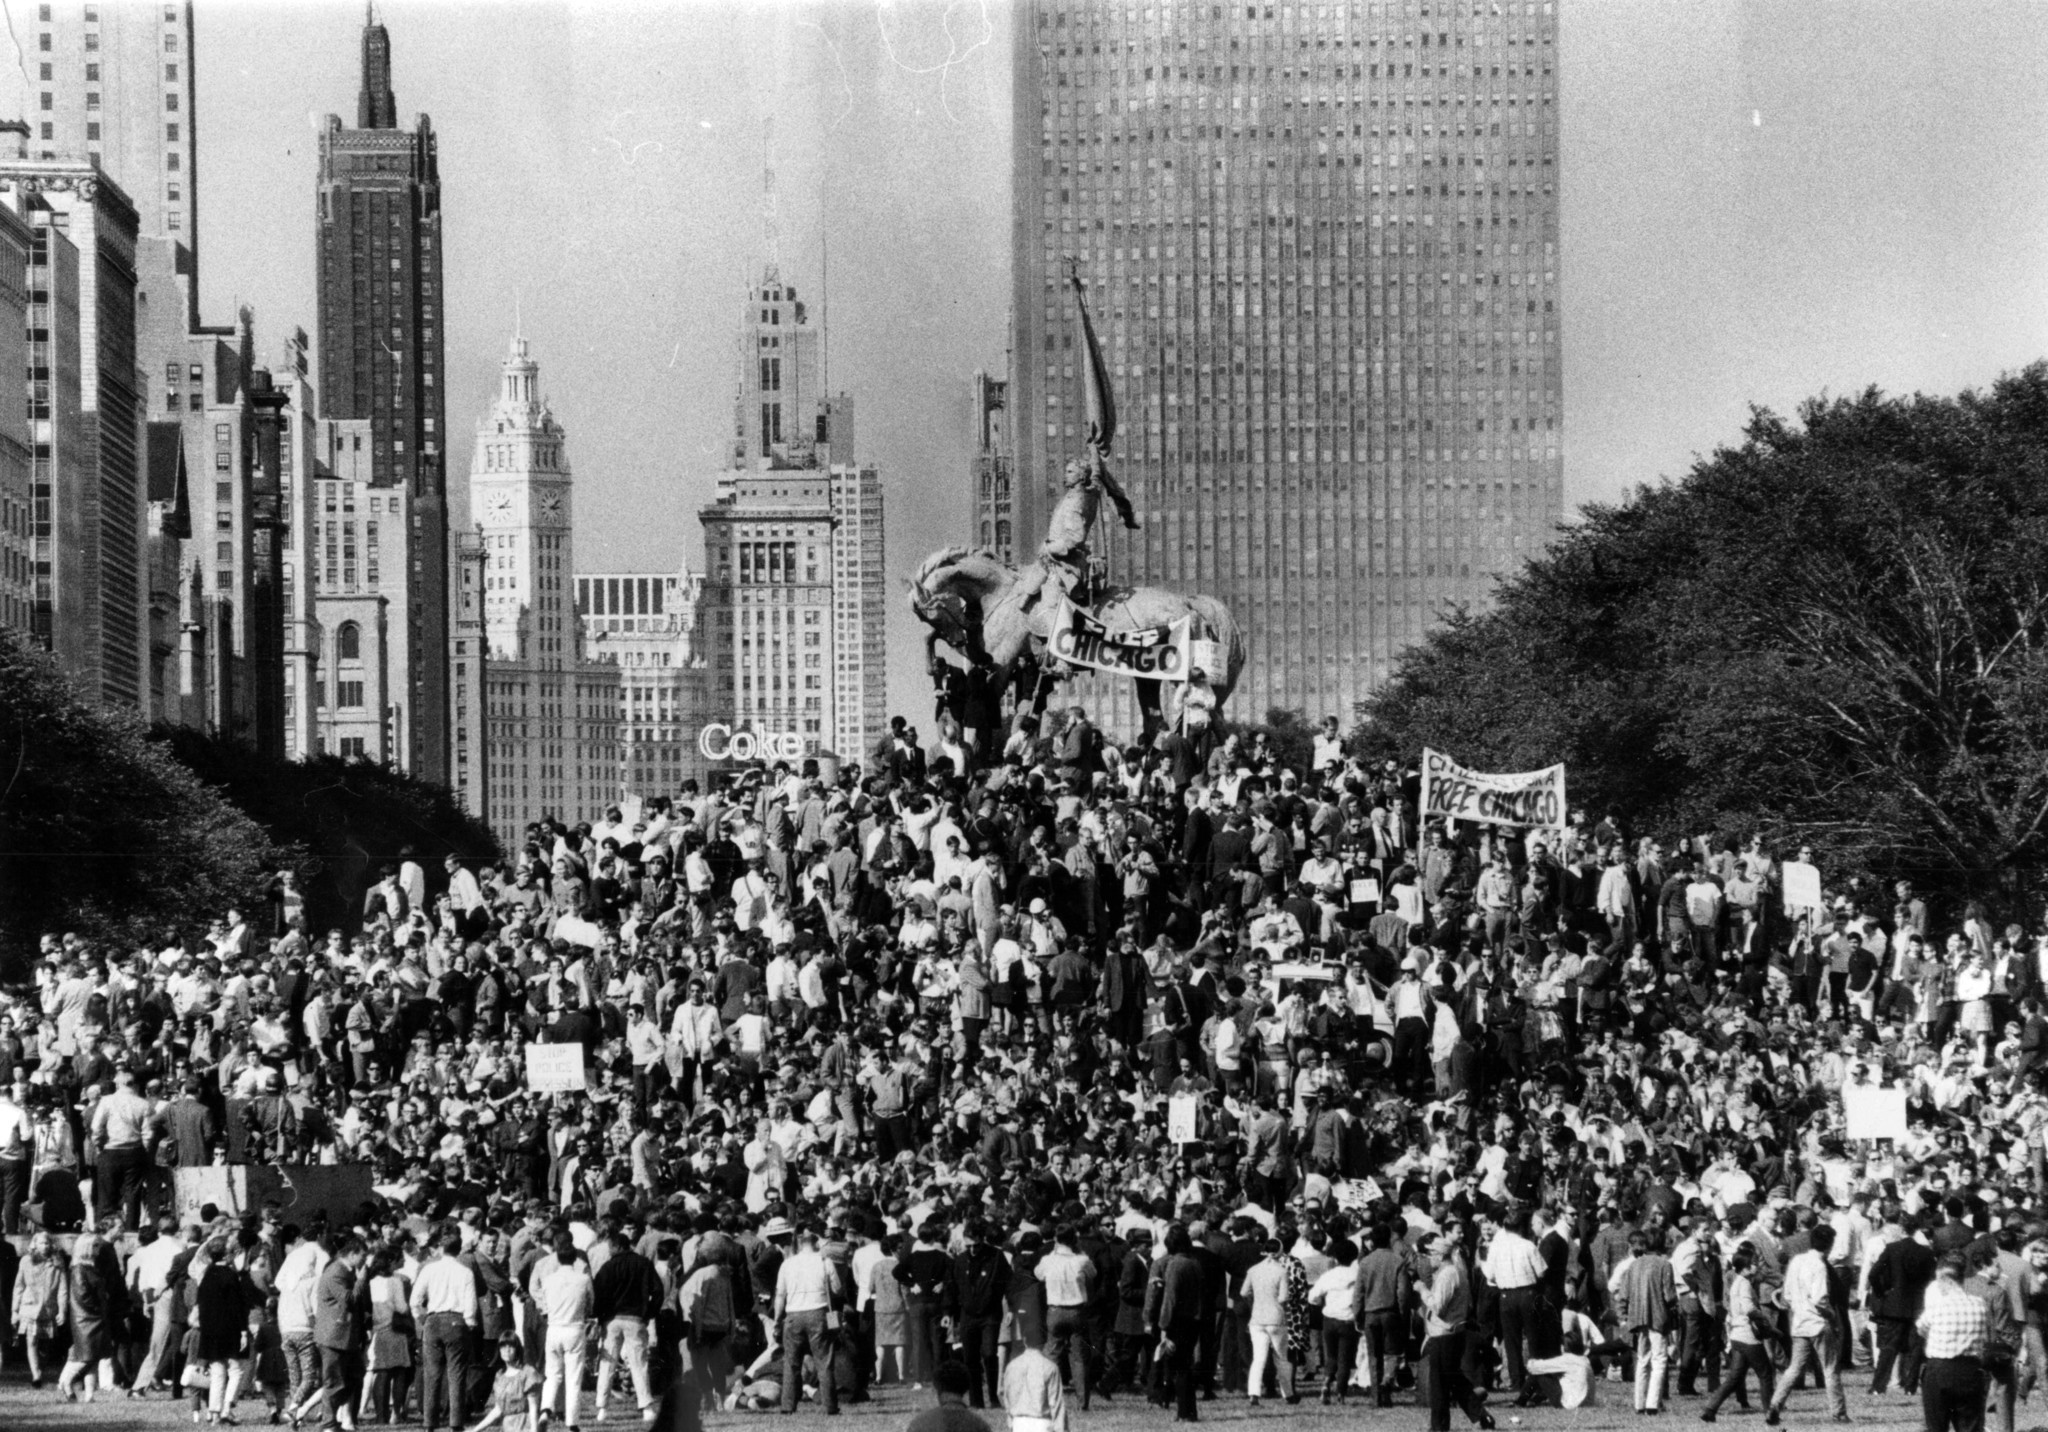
x=1451, y=792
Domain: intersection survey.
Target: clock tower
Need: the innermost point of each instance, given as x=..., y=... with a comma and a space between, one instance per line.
x=519, y=498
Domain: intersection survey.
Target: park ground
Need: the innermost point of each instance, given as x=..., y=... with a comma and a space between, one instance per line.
x=23, y=1409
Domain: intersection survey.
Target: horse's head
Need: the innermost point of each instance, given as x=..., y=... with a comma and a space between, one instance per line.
x=953, y=591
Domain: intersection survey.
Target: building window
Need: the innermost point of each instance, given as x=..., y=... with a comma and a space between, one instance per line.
x=353, y=749
x=348, y=642
x=92, y=129
x=171, y=133
x=49, y=100
x=171, y=104
x=348, y=693
x=224, y=552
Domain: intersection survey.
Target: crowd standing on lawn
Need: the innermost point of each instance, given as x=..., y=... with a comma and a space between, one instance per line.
x=1050, y=1074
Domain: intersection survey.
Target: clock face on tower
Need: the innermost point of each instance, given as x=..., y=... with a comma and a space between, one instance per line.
x=551, y=504
x=500, y=504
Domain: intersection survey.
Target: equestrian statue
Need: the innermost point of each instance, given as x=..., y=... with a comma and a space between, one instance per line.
x=1002, y=620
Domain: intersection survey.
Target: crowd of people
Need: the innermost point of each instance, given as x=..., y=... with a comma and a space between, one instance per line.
x=1047, y=1074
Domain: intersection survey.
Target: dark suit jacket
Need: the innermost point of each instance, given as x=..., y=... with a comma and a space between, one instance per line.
x=1899, y=1279
x=337, y=1322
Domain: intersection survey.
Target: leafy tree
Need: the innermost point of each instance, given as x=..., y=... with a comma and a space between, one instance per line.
x=1836, y=632
x=349, y=818
x=102, y=832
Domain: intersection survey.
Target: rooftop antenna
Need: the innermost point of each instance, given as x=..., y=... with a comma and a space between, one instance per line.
x=771, y=238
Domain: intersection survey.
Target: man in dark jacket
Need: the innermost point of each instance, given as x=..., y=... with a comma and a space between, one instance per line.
x=1898, y=1288
x=338, y=1336
x=626, y=1294
x=973, y=1299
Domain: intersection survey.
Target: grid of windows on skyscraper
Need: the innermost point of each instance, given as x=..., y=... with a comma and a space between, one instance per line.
x=1320, y=245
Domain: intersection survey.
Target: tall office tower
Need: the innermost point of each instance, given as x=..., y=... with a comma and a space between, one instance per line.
x=112, y=82
x=379, y=275
x=470, y=769
x=860, y=610
x=1320, y=248
x=990, y=473
x=86, y=425
x=299, y=449
x=17, y=488
x=551, y=740
x=644, y=623
x=795, y=598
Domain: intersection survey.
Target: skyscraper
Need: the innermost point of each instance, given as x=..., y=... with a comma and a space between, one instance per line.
x=551, y=714
x=112, y=81
x=86, y=425
x=1320, y=245
x=378, y=269
x=991, y=471
x=795, y=599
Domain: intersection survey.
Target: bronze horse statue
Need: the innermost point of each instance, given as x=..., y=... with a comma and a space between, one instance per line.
x=986, y=610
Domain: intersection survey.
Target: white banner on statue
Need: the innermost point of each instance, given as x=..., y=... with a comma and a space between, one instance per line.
x=1154, y=653
x=1180, y=1119
x=1452, y=792
x=1874, y=1113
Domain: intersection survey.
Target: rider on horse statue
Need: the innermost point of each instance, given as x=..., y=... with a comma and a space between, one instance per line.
x=1063, y=556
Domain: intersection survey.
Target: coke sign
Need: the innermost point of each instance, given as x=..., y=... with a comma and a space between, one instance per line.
x=719, y=742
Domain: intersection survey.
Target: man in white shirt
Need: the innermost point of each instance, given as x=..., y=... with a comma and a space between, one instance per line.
x=807, y=1291
x=149, y=1269
x=568, y=1302
x=444, y=1308
x=1514, y=1266
x=1814, y=1338
x=298, y=1276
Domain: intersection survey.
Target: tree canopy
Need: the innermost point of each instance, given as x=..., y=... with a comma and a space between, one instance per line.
x=347, y=818
x=1835, y=632
x=102, y=831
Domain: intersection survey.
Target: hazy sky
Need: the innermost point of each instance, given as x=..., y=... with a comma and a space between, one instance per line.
x=1762, y=201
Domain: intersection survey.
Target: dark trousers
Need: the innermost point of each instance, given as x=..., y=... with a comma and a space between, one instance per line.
x=1744, y=1358
x=13, y=1193
x=1897, y=1339
x=1952, y=1395
x=117, y=1184
x=340, y=1382
x=1130, y=1355
x=1385, y=1335
x=923, y=1350
x=1184, y=1335
x=981, y=1350
x=806, y=1333
x=1411, y=1051
x=1699, y=1343
x=1066, y=1331
x=1340, y=1351
x=444, y=1369
x=1518, y=1314
x=893, y=1137
x=1443, y=1359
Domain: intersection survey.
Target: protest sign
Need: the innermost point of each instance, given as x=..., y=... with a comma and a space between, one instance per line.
x=1874, y=1113
x=577, y=931
x=1209, y=656
x=1157, y=653
x=1452, y=792
x=1302, y=970
x=1802, y=886
x=1356, y=1194
x=1180, y=1119
x=554, y=1068
x=1365, y=891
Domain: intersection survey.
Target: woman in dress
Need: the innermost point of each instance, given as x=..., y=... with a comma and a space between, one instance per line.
x=515, y=1391
x=892, y=1318
x=390, y=1365
x=220, y=1316
x=42, y=1293
x=99, y=1307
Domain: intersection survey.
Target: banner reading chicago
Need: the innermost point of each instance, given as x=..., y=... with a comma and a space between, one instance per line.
x=1450, y=792
x=1157, y=653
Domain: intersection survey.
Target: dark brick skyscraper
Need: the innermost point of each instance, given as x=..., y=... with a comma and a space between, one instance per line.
x=380, y=359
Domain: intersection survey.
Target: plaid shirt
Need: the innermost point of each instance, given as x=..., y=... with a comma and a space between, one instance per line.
x=1953, y=1322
